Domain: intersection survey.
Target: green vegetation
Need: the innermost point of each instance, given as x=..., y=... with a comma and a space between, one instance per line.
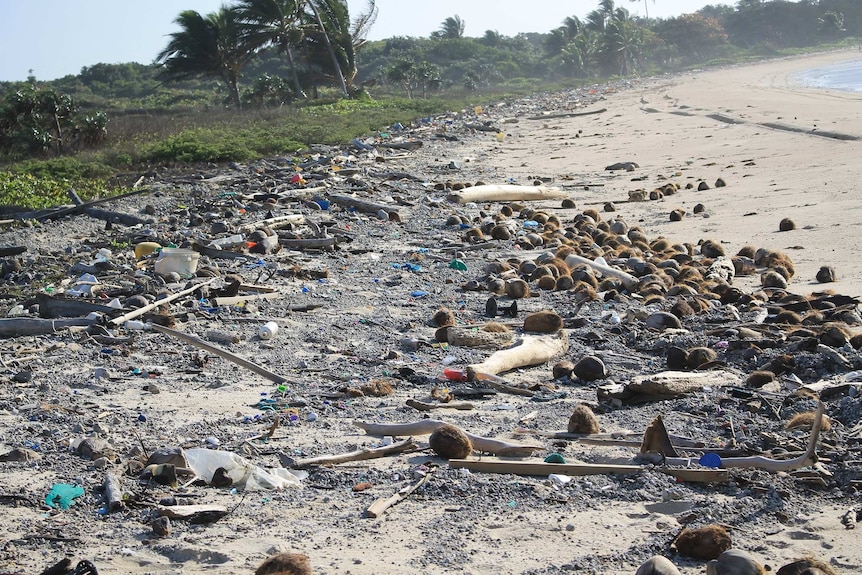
x=272, y=77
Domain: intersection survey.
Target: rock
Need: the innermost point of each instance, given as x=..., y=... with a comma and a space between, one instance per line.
x=590, y=368
x=735, y=562
x=563, y=369
x=826, y=274
x=161, y=526
x=657, y=565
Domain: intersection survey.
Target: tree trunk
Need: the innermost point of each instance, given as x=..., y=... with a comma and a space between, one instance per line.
x=232, y=81
x=296, y=86
x=331, y=50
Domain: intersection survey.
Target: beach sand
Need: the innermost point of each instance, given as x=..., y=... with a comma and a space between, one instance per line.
x=668, y=126
x=486, y=524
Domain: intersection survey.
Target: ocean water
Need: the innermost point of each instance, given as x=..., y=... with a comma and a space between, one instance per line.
x=844, y=76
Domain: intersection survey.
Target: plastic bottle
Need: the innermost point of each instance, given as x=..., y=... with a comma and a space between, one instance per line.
x=268, y=330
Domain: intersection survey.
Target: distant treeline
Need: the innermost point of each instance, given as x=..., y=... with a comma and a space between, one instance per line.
x=272, y=53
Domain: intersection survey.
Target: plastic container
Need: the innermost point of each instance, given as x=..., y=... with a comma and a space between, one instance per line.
x=146, y=248
x=268, y=330
x=177, y=260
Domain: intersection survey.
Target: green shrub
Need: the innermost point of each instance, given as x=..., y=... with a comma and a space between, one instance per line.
x=36, y=192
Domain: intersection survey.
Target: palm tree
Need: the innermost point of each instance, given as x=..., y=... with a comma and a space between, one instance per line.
x=275, y=23
x=209, y=45
x=333, y=17
x=646, y=7
x=452, y=27
x=598, y=18
x=622, y=44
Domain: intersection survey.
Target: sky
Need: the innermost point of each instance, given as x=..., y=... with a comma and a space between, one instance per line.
x=55, y=38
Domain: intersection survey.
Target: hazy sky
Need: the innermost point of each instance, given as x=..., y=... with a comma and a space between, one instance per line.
x=59, y=37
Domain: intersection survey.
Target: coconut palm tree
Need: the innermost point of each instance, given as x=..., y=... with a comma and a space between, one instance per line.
x=451, y=27
x=210, y=45
x=276, y=23
x=333, y=18
x=646, y=7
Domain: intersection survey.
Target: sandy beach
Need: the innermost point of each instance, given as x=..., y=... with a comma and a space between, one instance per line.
x=668, y=126
x=784, y=151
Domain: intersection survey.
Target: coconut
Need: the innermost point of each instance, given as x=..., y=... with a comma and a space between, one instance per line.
x=449, y=442
x=543, y=322
x=583, y=421
x=706, y=542
x=285, y=564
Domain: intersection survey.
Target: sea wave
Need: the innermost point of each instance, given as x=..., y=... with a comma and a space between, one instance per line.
x=844, y=76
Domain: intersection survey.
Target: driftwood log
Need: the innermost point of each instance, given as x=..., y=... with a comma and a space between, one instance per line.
x=675, y=383
x=537, y=468
x=308, y=243
x=629, y=281
x=365, y=206
x=427, y=426
x=531, y=350
x=505, y=193
x=113, y=493
x=473, y=337
x=18, y=326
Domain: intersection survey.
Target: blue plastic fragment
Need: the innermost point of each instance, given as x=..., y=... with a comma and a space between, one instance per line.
x=710, y=460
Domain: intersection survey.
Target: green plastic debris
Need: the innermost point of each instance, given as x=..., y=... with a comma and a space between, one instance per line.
x=555, y=458
x=459, y=265
x=62, y=494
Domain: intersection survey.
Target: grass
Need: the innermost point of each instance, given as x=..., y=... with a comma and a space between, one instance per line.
x=140, y=140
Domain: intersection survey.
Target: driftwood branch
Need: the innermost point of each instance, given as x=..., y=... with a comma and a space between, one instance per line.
x=532, y=350
x=308, y=243
x=505, y=193
x=142, y=310
x=223, y=353
x=216, y=253
x=775, y=465
x=359, y=455
x=233, y=300
x=424, y=406
x=106, y=215
x=427, y=426
x=273, y=223
x=381, y=505
x=567, y=115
